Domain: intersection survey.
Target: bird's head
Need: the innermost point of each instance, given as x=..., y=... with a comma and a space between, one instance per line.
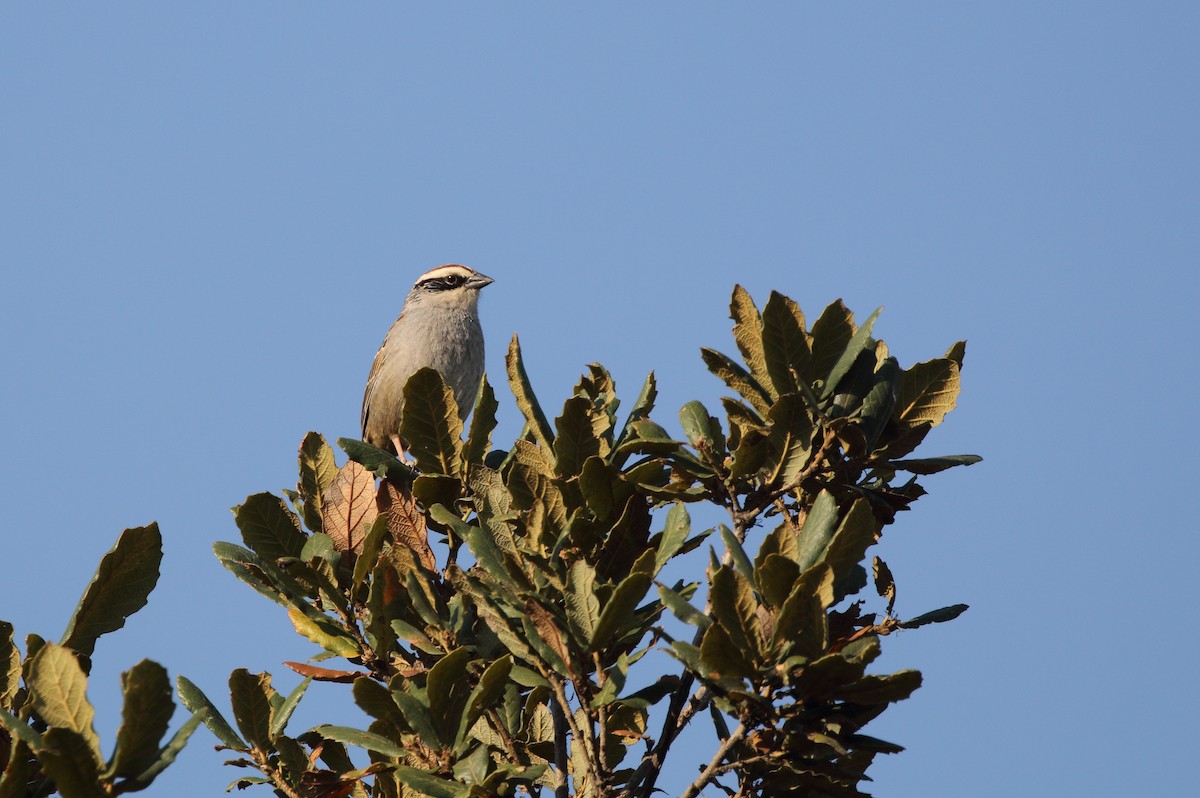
x=452, y=286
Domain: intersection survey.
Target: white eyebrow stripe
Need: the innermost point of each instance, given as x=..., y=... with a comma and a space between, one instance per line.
x=446, y=271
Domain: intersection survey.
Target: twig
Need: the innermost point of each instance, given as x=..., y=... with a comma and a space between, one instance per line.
x=578, y=737
x=710, y=772
x=560, y=750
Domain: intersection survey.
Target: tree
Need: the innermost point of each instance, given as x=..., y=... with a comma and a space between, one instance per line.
x=519, y=651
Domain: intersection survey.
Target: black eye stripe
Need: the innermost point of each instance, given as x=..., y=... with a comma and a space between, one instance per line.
x=443, y=283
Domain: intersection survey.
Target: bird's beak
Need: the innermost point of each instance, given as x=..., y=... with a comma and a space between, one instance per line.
x=478, y=281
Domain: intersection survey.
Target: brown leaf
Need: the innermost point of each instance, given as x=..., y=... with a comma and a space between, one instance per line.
x=548, y=631
x=325, y=784
x=349, y=507
x=325, y=674
x=406, y=522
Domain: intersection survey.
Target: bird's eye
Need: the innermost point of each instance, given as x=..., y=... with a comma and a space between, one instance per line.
x=453, y=280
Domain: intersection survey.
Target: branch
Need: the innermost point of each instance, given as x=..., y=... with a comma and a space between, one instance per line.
x=561, y=790
x=710, y=772
x=579, y=738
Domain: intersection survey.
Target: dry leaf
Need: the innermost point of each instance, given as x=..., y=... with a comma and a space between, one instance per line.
x=325, y=674
x=406, y=522
x=349, y=507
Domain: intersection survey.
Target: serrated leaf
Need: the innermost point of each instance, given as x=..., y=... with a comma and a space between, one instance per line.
x=642, y=406
x=748, y=334
x=317, y=470
x=121, y=586
x=376, y=700
x=68, y=757
x=802, y=627
x=619, y=608
x=483, y=422
x=324, y=633
x=575, y=439
x=736, y=378
x=527, y=402
x=246, y=566
x=928, y=391
x=10, y=666
x=583, y=608
x=145, y=716
x=936, y=616
x=269, y=528
x=776, y=575
x=430, y=425
x=735, y=608
x=58, y=693
x=882, y=689
x=250, y=694
x=785, y=344
x=194, y=699
x=957, y=352
x=361, y=739
x=406, y=522
x=350, y=507
x=418, y=717
x=849, y=545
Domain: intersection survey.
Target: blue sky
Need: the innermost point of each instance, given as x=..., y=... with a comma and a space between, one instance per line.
x=211, y=215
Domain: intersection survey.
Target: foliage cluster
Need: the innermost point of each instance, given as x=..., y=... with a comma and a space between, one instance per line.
x=491, y=611
x=514, y=669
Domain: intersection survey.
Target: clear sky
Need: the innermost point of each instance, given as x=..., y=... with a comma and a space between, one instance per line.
x=210, y=213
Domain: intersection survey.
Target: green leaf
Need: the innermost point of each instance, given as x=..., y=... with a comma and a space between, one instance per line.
x=170, y=751
x=430, y=785
x=619, y=608
x=483, y=422
x=121, y=586
x=194, y=699
x=928, y=391
x=831, y=333
x=583, y=608
x=522, y=390
x=317, y=470
x=376, y=700
x=737, y=554
x=10, y=666
x=448, y=691
x=885, y=583
x=58, y=693
x=703, y=430
x=281, y=714
x=145, y=717
x=776, y=576
x=882, y=689
x=69, y=758
x=721, y=657
x=418, y=717
x=748, y=333
x=735, y=608
x=736, y=378
x=430, y=425
x=785, y=344
x=682, y=608
x=674, y=535
x=932, y=465
x=575, y=439
x=368, y=558
x=486, y=693
x=378, y=461
x=22, y=731
x=849, y=545
x=361, y=739
x=818, y=530
x=880, y=401
x=246, y=566
x=269, y=528
x=640, y=410
x=857, y=343
x=251, y=696
x=936, y=616
x=956, y=352
x=802, y=627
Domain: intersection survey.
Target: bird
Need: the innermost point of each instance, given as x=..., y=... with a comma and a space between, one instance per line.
x=439, y=328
